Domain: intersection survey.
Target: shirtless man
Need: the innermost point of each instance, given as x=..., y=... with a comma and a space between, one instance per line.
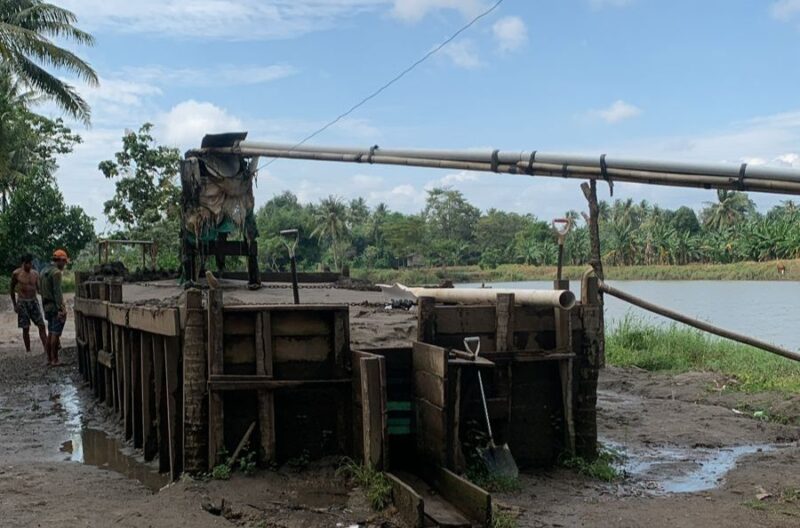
x=24, y=285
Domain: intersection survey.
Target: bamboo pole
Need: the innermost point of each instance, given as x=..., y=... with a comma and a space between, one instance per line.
x=696, y=323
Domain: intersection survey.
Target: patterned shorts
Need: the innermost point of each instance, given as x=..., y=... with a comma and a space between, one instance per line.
x=27, y=311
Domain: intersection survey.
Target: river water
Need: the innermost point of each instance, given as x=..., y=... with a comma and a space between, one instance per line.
x=767, y=310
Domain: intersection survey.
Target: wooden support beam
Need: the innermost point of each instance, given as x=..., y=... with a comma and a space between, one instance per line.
x=160, y=381
x=216, y=417
x=264, y=368
x=426, y=320
x=135, y=388
x=195, y=363
x=174, y=405
x=162, y=321
x=504, y=339
x=373, y=404
x=564, y=342
x=147, y=390
x=472, y=500
x=127, y=387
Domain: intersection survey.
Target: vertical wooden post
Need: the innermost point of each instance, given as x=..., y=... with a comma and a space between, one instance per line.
x=426, y=320
x=195, y=361
x=266, y=400
x=135, y=388
x=216, y=417
x=159, y=347
x=504, y=336
x=373, y=411
x=127, y=377
x=590, y=192
x=564, y=344
x=588, y=368
x=149, y=438
x=172, y=363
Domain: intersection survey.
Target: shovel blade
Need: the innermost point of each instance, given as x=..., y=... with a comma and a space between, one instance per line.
x=500, y=462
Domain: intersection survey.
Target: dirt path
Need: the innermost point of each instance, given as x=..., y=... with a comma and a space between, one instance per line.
x=676, y=432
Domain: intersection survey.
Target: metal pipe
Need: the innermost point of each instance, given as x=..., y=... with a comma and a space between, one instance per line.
x=514, y=157
x=696, y=323
x=716, y=177
x=563, y=299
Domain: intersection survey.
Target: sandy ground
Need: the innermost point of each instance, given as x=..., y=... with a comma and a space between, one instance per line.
x=676, y=433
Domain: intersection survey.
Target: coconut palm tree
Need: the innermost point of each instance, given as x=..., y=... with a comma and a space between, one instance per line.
x=331, y=220
x=731, y=208
x=26, y=49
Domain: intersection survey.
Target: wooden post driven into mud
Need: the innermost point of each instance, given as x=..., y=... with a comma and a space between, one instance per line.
x=589, y=362
x=696, y=323
x=195, y=419
x=596, y=261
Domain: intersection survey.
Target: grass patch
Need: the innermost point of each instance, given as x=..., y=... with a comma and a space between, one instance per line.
x=520, y=272
x=633, y=343
x=502, y=518
x=376, y=486
x=601, y=468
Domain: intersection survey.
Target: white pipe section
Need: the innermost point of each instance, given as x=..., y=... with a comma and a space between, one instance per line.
x=563, y=299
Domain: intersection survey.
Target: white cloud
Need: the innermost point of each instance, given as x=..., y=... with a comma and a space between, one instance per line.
x=785, y=9
x=510, y=33
x=463, y=54
x=415, y=10
x=618, y=111
x=186, y=123
x=221, y=75
x=217, y=19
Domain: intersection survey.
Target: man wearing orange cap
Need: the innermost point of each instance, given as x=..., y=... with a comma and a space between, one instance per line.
x=55, y=310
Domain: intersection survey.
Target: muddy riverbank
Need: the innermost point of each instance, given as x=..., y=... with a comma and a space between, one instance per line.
x=695, y=453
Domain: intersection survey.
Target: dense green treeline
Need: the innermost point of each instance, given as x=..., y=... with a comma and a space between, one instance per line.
x=450, y=231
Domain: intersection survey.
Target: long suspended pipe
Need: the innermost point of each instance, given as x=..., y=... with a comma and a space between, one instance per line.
x=696, y=323
x=702, y=175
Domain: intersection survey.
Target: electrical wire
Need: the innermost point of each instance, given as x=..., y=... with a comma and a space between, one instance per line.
x=396, y=78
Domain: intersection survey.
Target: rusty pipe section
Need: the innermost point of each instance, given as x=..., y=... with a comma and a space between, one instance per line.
x=563, y=299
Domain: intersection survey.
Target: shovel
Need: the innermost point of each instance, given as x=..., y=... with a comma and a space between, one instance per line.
x=498, y=459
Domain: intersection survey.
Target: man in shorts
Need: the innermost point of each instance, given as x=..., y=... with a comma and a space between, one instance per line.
x=24, y=285
x=55, y=310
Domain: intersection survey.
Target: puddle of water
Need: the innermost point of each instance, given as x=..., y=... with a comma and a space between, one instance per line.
x=96, y=448
x=679, y=470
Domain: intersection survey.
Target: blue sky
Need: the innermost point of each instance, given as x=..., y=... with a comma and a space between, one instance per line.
x=712, y=80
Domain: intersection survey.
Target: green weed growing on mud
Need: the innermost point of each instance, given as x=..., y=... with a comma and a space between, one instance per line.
x=634, y=343
x=503, y=519
x=601, y=468
x=375, y=484
x=475, y=440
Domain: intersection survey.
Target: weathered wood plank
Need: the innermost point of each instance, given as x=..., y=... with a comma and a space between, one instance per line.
x=302, y=323
x=91, y=308
x=408, y=502
x=373, y=405
x=118, y=314
x=136, y=382
x=429, y=387
x=127, y=391
x=314, y=348
x=174, y=406
x=282, y=307
x=504, y=338
x=430, y=358
x=473, y=501
x=195, y=417
x=160, y=382
x=162, y=321
x=222, y=383
x=467, y=320
x=426, y=320
x=431, y=432
x=216, y=418
x=240, y=324
x=149, y=435
x=266, y=401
